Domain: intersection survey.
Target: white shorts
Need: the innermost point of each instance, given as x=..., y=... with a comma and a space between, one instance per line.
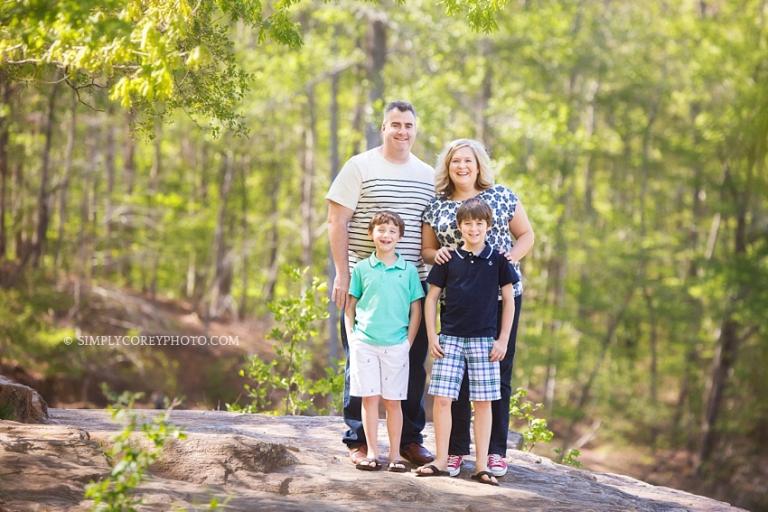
x=378, y=370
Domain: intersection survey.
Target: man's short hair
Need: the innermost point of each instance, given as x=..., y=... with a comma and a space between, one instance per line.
x=387, y=217
x=401, y=105
x=474, y=209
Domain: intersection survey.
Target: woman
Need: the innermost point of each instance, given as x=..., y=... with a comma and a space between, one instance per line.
x=463, y=171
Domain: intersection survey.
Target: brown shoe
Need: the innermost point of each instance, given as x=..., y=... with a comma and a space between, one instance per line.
x=358, y=453
x=416, y=454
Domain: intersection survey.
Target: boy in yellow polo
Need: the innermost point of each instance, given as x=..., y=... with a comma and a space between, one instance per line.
x=383, y=313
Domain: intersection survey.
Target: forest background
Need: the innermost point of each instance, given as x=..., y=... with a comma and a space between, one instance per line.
x=160, y=162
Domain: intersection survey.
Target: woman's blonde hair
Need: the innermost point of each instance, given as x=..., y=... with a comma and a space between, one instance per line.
x=443, y=184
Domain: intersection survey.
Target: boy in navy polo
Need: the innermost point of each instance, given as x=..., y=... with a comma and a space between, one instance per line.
x=382, y=316
x=471, y=282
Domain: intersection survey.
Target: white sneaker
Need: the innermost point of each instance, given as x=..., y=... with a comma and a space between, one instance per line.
x=497, y=465
x=454, y=464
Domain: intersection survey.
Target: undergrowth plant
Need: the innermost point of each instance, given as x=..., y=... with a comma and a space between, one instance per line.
x=129, y=459
x=537, y=429
x=297, y=320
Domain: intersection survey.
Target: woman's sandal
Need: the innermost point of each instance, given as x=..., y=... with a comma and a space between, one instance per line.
x=434, y=471
x=397, y=466
x=491, y=480
x=368, y=464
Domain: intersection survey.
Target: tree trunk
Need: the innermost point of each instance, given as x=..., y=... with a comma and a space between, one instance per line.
x=21, y=248
x=222, y=283
x=149, y=283
x=333, y=315
x=43, y=197
x=126, y=232
x=273, y=242
x=244, y=241
x=5, y=121
x=129, y=153
x=64, y=192
x=109, y=165
x=376, y=53
x=691, y=355
x=482, y=127
x=727, y=344
x=307, y=182
x=607, y=341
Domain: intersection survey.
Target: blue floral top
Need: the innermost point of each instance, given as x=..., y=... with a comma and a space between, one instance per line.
x=441, y=215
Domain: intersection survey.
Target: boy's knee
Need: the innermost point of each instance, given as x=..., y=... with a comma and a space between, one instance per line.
x=481, y=405
x=442, y=401
x=371, y=400
x=391, y=404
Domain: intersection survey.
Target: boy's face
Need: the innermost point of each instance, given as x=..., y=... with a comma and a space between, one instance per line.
x=473, y=231
x=385, y=236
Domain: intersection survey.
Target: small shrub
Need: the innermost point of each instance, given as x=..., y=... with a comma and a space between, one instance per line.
x=298, y=319
x=537, y=430
x=129, y=460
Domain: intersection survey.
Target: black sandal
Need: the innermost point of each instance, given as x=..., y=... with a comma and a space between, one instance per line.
x=397, y=466
x=434, y=471
x=368, y=464
x=479, y=477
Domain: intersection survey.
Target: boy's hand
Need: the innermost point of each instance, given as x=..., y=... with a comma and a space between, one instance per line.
x=498, y=351
x=436, y=350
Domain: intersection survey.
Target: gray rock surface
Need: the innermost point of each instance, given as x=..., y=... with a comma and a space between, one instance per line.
x=268, y=463
x=21, y=403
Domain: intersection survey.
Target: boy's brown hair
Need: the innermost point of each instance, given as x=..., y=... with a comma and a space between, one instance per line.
x=474, y=209
x=387, y=217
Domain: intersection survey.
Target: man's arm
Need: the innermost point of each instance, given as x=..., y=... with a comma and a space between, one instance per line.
x=499, y=349
x=338, y=235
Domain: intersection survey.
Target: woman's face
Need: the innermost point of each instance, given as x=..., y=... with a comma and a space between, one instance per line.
x=462, y=168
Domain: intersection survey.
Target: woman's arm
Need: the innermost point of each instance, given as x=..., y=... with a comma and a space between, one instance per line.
x=521, y=229
x=431, y=251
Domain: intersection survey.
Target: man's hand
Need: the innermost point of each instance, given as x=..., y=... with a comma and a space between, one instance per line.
x=435, y=349
x=340, y=290
x=499, y=350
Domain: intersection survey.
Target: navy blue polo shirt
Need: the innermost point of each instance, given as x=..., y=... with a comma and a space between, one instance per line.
x=470, y=286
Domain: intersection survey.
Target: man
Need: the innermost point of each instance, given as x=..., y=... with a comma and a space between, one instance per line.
x=386, y=177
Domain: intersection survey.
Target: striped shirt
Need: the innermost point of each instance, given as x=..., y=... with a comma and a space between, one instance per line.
x=369, y=183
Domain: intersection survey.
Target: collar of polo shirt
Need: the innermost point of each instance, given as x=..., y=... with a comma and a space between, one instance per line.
x=484, y=254
x=374, y=261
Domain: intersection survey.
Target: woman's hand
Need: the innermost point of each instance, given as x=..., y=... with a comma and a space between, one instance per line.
x=511, y=257
x=443, y=255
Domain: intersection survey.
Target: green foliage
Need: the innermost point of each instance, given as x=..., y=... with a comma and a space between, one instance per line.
x=154, y=55
x=570, y=458
x=129, y=459
x=523, y=410
x=537, y=429
x=481, y=14
x=6, y=412
x=28, y=311
x=297, y=319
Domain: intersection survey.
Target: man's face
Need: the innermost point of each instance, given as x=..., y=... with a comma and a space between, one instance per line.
x=398, y=132
x=473, y=231
x=385, y=236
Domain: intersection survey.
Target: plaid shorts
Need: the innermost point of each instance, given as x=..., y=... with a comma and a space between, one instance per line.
x=447, y=372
